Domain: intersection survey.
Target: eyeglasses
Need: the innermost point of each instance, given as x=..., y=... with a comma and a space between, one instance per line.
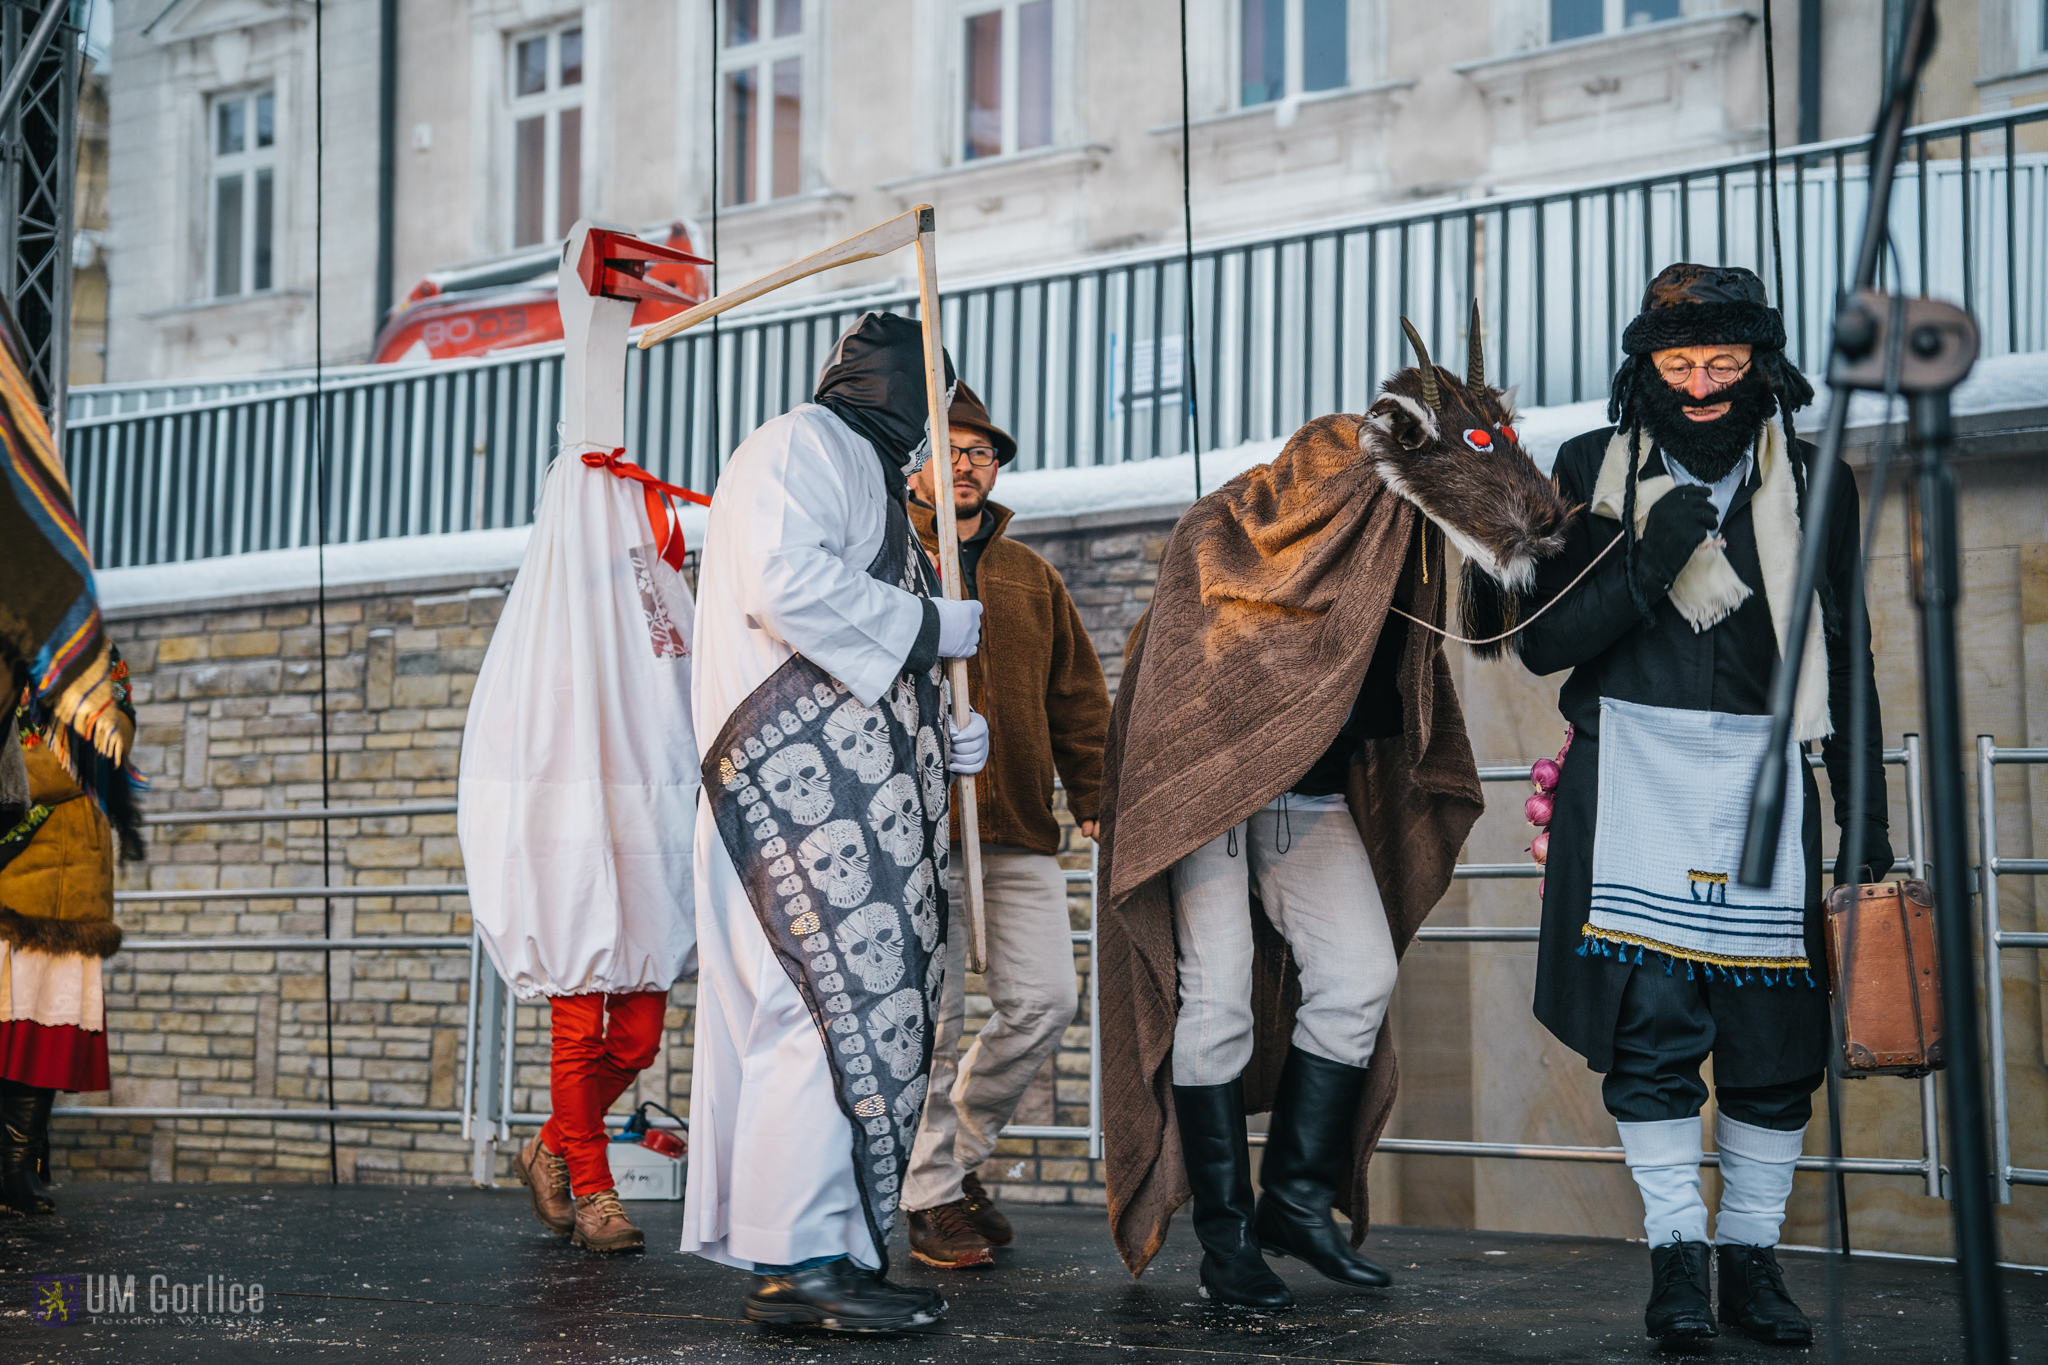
x=981, y=457
x=1722, y=369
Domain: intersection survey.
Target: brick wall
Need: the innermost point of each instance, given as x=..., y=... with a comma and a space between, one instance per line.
x=228, y=696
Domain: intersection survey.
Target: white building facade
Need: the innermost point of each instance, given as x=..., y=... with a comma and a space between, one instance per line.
x=1045, y=131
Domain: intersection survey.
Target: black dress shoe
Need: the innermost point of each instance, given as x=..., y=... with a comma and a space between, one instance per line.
x=1680, y=1315
x=1308, y=1152
x=840, y=1296
x=1219, y=1167
x=1753, y=1298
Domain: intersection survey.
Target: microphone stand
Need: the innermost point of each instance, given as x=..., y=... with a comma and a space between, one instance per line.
x=1940, y=343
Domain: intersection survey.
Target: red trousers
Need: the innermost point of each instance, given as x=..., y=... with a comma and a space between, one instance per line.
x=602, y=1043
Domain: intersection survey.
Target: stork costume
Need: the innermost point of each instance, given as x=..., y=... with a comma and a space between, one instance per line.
x=821, y=838
x=1653, y=955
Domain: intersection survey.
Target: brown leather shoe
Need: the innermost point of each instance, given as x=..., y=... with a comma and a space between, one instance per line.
x=602, y=1225
x=983, y=1214
x=943, y=1237
x=546, y=1173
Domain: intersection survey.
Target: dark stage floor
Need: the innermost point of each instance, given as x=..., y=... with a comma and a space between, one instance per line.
x=365, y=1272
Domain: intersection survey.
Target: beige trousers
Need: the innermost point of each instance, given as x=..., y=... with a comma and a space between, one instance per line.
x=1031, y=987
x=1318, y=890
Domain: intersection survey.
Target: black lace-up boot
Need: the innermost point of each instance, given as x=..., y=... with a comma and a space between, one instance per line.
x=24, y=1134
x=1753, y=1297
x=1219, y=1166
x=1308, y=1151
x=1680, y=1314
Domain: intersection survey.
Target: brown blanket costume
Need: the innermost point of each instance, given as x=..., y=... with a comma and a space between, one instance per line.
x=1271, y=594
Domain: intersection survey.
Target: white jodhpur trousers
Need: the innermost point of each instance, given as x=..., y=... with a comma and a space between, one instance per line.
x=1032, y=995
x=1317, y=887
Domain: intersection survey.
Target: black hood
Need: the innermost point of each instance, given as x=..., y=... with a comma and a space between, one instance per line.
x=874, y=382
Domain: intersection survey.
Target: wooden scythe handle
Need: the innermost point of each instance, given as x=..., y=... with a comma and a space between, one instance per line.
x=949, y=563
x=879, y=240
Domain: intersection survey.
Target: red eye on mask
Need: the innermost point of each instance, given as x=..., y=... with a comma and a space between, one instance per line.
x=1509, y=432
x=1478, y=439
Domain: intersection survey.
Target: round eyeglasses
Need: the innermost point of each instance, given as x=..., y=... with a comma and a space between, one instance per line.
x=1722, y=369
x=981, y=457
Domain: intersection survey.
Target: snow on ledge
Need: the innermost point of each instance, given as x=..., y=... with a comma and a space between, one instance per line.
x=1999, y=383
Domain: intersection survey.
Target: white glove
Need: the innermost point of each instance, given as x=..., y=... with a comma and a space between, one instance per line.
x=970, y=745
x=959, y=628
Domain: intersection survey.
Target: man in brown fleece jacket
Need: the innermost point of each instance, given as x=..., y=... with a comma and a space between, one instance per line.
x=1040, y=685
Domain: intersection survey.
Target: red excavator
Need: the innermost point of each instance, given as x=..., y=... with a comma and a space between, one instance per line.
x=472, y=310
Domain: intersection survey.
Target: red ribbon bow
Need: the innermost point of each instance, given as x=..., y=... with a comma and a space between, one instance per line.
x=668, y=533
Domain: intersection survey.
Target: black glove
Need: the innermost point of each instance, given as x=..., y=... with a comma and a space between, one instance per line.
x=1677, y=523
x=1877, y=855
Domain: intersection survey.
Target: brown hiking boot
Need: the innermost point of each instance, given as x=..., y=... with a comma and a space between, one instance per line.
x=602, y=1225
x=546, y=1173
x=943, y=1237
x=983, y=1214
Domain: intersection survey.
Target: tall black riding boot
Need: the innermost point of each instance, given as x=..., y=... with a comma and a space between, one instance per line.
x=1308, y=1150
x=24, y=1128
x=1219, y=1165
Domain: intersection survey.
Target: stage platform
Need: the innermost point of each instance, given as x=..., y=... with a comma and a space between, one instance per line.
x=458, y=1276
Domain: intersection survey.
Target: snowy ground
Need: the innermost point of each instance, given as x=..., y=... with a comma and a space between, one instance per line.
x=2001, y=383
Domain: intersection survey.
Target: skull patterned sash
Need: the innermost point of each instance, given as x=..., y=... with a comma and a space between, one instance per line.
x=834, y=814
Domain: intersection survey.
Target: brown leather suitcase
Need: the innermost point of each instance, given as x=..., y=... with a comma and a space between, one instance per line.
x=1881, y=952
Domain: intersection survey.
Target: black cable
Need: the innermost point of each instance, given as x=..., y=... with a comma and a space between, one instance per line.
x=1187, y=228
x=1771, y=115
x=1857, y=628
x=717, y=395
x=320, y=553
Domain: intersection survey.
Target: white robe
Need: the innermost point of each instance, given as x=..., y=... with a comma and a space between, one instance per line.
x=798, y=518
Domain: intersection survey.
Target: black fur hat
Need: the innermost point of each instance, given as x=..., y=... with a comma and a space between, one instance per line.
x=1704, y=305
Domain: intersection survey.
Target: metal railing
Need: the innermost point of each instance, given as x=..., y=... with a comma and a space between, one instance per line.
x=1998, y=939
x=487, y=1115
x=1083, y=365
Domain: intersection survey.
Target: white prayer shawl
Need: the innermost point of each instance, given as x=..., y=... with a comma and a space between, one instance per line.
x=1707, y=589
x=797, y=520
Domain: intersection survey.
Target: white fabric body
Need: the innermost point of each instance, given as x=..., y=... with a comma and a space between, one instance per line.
x=1674, y=810
x=1707, y=589
x=1664, y=1157
x=1757, y=1165
x=1317, y=887
x=798, y=519
x=1032, y=994
x=579, y=770
x=52, y=988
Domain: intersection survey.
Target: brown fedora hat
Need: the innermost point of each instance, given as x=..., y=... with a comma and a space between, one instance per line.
x=968, y=410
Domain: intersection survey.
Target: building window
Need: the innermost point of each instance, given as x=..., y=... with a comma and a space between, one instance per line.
x=546, y=105
x=1007, y=63
x=243, y=192
x=1586, y=18
x=1292, y=47
x=763, y=65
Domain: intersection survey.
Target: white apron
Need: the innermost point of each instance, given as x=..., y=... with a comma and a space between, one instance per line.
x=1667, y=849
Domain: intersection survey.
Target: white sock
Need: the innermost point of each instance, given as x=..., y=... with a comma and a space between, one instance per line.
x=1756, y=1180
x=1664, y=1157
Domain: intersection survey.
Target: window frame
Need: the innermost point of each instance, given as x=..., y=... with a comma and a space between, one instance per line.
x=1613, y=20
x=1357, y=16
x=761, y=57
x=247, y=164
x=548, y=105
x=1009, y=65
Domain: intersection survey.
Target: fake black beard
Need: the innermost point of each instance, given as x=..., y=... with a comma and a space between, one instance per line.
x=1708, y=450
